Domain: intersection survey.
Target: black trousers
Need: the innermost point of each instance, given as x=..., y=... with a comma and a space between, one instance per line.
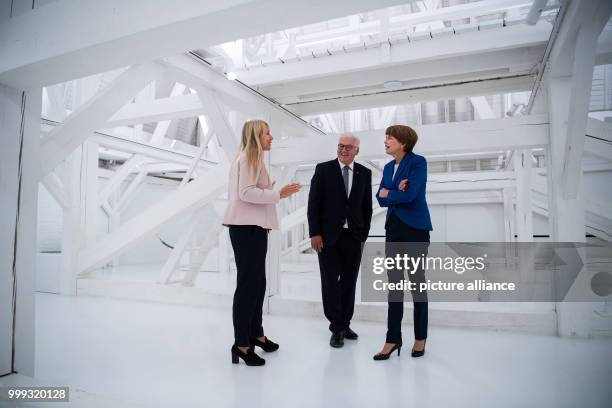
x=339, y=266
x=415, y=242
x=250, y=243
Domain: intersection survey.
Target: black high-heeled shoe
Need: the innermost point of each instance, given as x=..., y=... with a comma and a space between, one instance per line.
x=385, y=356
x=250, y=358
x=419, y=353
x=268, y=346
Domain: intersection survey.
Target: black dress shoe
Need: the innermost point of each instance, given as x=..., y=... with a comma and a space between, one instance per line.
x=385, y=356
x=267, y=346
x=250, y=358
x=419, y=353
x=351, y=335
x=337, y=339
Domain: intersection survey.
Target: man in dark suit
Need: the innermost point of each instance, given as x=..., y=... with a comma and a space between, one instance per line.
x=339, y=216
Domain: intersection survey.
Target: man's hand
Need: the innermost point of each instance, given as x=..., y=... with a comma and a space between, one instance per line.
x=383, y=193
x=403, y=185
x=316, y=242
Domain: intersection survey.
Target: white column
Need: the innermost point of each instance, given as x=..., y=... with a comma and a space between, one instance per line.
x=89, y=185
x=524, y=214
x=20, y=130
x=73, y=233
x=565, y=216
x=508, y=214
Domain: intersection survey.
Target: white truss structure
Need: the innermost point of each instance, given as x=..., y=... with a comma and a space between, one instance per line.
x=149, y=98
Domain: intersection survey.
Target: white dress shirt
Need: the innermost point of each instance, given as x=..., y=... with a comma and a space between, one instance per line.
x=350, y=181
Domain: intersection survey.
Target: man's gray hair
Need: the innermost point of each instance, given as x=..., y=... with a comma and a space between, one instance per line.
x=352, y=136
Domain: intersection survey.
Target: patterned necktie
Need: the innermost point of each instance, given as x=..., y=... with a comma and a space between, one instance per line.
x=345, y=177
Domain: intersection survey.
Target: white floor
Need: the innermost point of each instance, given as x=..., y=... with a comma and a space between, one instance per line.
x=157, y=355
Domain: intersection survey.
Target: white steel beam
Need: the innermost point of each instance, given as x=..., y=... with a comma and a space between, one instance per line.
x=153, y=152
x=185, y=200
x=579, y=45
x=410, y=96
x=463, y=44
x=128, y=194
x=524, y=214
x=525, y=132
x=198, y=75
x=55, y=186
x=120, y=175
x=91, y=116
x=73, y=39
x=220, y=124
x=176, y=107
x=172, y=263
x=407, y=21
x=484, y=65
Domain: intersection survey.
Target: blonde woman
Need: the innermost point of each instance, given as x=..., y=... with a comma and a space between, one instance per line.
x=250, y=215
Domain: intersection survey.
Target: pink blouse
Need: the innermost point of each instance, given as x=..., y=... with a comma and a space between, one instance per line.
x=251, y=200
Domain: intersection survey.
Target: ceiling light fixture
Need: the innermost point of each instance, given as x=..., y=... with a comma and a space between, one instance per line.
x=392, y=85
x=231, y=76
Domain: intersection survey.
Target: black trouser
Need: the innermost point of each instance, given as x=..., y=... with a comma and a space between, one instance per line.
x=250, y=243
x=417, y=243
x=339, y=265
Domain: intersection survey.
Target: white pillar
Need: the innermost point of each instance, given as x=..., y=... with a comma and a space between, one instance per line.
x=74, y=231
x=508, y=214
x=524, y=214
x=565, y=216
x=20, y=130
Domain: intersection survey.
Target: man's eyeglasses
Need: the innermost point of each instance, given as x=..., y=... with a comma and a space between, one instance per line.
x=348, y=148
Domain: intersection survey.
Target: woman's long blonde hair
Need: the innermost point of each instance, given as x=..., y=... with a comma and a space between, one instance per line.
x=252, y=131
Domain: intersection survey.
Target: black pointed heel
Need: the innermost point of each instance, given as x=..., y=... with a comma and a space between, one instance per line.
x=250, y=358
x=268, y=346
x=385, y=356
x=419, y=353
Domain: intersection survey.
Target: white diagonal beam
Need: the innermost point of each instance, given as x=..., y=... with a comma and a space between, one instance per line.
x=185, y=200
x=91, y=116
x=74, y=39
x=153, y=152
x=197, y=75
x=55, y=186
x=120, y=175
x=482, y=107
x=173, y=261
x=128, y=194
x=220, y=124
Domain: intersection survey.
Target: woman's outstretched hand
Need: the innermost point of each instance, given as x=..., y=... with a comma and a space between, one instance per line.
x=290, y=189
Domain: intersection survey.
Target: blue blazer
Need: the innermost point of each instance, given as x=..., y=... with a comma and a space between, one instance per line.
x=409, y=205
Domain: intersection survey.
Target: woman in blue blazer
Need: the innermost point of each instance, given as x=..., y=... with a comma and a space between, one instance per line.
x=402, y=191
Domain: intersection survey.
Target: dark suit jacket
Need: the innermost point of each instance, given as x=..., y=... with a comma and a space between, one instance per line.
x=410, y=205
x=329, y=207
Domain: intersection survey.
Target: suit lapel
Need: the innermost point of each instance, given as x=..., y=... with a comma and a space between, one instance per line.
x=400, y=168
x=356, y=178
